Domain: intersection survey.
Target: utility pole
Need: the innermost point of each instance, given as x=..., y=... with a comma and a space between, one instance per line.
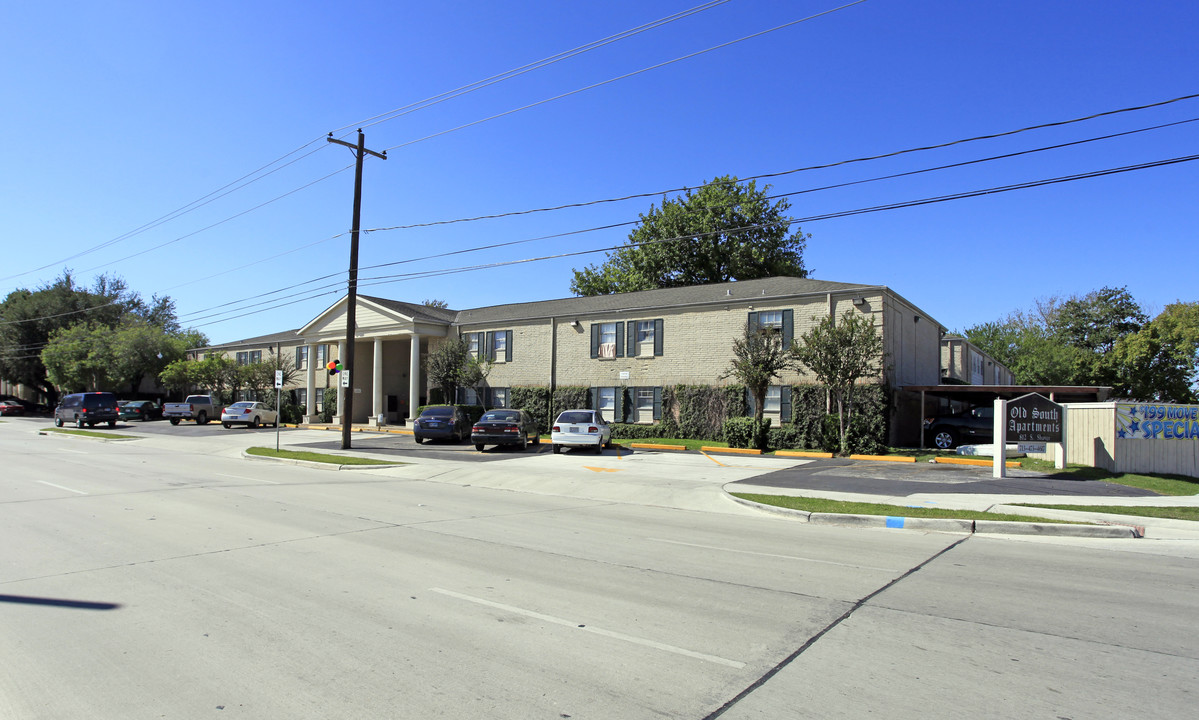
x=347, y=402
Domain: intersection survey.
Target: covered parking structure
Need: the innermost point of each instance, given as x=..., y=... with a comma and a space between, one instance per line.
x=957, y=397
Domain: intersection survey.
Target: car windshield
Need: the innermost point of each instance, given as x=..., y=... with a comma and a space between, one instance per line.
x=575, y=417
x=501, y=417
x=437, y=412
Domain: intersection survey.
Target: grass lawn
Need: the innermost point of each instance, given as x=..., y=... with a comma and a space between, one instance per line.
x=1170, y=513
x=317, y=457
x=820, y=505
x=91, y=433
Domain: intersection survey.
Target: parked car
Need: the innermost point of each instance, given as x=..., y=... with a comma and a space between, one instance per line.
x=87, y=409
x=441, y=422
x=249, y=413
x=505, y=427
x=140, y=410
x=580, y=428
x=975, y=425
x=11, y=407
x=200, y=408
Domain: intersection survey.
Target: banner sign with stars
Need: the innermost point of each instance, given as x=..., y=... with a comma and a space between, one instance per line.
x=1157, y=422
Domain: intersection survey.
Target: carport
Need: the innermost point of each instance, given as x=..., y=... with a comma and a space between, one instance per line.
x=975, y=395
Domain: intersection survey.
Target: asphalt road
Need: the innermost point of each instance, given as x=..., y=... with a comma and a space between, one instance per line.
x=170, y=577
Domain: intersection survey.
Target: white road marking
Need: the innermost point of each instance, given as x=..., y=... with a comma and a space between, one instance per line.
x=239, y=477
x=784, y=557
x=597, y=631
x=60, y=487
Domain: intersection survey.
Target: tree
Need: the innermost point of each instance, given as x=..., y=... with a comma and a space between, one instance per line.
x=723, y=231
x=1160, y=362
x=759, y=356
x=29, y=318
x=839, y=354
x=259, y=377
x=80, y=358
x=440, y=304
x=1094, y=324
x=446, y=366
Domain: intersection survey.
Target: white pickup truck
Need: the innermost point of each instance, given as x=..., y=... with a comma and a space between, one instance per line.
x=200, y=408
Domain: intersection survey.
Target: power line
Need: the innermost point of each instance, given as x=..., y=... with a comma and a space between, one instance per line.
x=825, y=166
x=626, y=75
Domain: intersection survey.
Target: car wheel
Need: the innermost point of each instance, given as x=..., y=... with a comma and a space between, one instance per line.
x=945, y=439
x=112, y=423
x=227, y=425
x=556, y=448
x=254, y=423
x=57, y=422
x=599, y=446
x=419, y=440
x=524, y=443
x=536, y=439
x=174, y=421
x=479, y=447
x=202, y=419
x=79, y=423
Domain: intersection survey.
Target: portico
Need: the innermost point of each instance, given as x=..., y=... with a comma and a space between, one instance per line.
x=389, y=341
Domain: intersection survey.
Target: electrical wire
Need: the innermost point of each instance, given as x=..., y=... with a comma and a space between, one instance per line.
x=625, y=76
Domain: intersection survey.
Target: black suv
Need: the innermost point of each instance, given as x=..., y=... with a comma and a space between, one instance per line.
x=87, y=409
x=975, y=425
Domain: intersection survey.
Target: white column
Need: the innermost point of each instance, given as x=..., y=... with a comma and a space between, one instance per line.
x=377, y=382
x=310, y=409
x=414, y=379
x=341, y=392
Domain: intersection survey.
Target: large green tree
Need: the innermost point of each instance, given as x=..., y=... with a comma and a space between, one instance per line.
x=726, y=230
x=840, y=353
x=30, y=318
x=1102, y=338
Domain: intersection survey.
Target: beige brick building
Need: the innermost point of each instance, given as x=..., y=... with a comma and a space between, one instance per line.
x=632, y=344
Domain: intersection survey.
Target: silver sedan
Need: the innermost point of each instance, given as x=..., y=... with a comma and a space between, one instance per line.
x=249, y=413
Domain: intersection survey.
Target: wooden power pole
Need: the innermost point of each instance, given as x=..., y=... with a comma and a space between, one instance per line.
x=347, y=403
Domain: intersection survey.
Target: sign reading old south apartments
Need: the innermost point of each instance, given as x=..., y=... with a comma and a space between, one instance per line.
x=1034, y=418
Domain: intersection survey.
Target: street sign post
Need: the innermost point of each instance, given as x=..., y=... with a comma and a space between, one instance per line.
x=278, y=405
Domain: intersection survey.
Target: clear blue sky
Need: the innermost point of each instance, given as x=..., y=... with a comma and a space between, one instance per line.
x=115, y=115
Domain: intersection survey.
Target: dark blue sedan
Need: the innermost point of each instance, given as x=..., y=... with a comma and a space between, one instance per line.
x=441, y=422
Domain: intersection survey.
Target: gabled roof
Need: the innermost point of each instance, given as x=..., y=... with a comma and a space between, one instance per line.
x=419, y=313
x=286, y=337
x=775, y=287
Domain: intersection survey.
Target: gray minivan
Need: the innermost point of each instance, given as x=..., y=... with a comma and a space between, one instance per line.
x=87, y=409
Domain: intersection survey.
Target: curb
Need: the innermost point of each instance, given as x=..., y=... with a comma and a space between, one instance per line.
x=972, y=461
x=885, y=458
x=735, y=451
x=317, y=465
x=802, y=453
x=969, y=527
x=653, y=446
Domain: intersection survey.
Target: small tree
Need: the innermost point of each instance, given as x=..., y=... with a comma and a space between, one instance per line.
x=446, y=365
x=758, y=357
x=840, y=354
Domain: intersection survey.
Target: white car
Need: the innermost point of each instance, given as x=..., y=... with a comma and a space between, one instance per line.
x=249, y=413
x=580, y=428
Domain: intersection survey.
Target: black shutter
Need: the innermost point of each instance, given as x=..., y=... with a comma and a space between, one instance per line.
x=632, y=344
x=658, y=339
x=489, y=346
x=619, y=339
x=618, y=401
x=593, y=394
x=595, y=338
x=788, y=328
x=753, y=322
x=657, y=402
x=508, y=344
x=785, y=403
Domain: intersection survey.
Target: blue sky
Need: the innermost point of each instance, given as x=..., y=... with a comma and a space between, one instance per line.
x=117, y=115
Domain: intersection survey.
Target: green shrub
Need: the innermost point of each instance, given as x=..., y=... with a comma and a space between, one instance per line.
x=701, y=410
x=747, y=432
x=535, y=401
x=330, y=404
x=630, y=431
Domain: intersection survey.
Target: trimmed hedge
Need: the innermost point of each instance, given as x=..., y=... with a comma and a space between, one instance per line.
x=747, y=432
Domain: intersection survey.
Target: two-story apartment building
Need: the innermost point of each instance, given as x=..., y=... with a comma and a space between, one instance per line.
x=641, y=342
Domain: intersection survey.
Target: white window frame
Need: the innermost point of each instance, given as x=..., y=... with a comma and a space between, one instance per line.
x=770, y=319
x=499, y=346
x=472, y=344
x=607, y=403
x=774, y=400
x=499, y=397
x=302, y=352
x=644, y=405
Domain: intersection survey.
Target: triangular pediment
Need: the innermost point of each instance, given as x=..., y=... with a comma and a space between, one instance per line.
x=370, y=317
